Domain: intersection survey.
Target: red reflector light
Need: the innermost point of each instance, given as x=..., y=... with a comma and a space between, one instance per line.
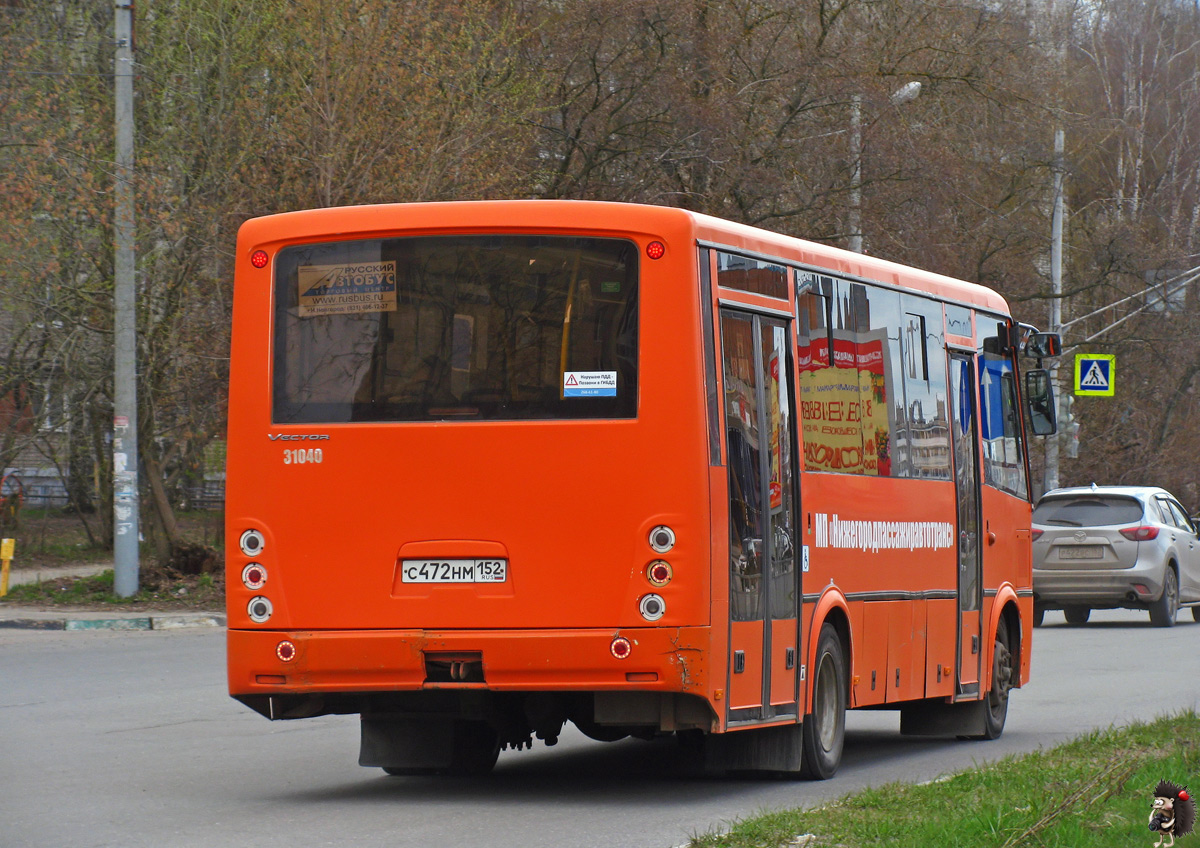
x=659, y=573
x=656, y=250
x=621, y=647
x=1140, y=534
x=270, y=679
x=286, y=651
x=1036, y=534
x=254, y=576
x=259, y=259
x=641, y=676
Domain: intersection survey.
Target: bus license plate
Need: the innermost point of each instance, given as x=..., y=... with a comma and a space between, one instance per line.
x=454, y=571
x=1081, y=552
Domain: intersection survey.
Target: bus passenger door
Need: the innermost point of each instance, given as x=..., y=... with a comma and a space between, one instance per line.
x=764, y=577
x=964, y=434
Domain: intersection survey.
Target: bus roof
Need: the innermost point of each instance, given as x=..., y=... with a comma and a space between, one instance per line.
x=550, y=216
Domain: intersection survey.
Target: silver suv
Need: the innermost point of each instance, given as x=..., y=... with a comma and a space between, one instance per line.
x=1114, y=546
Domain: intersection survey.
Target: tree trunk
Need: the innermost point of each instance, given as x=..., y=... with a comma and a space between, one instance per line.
x=168, y=537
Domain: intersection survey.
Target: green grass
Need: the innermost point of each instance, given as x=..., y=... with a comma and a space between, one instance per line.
x=1093, y=791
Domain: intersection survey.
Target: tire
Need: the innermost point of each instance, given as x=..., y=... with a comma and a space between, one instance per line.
x=476, y=748
x=1162, y=611
x=1038, y=614
x=1196, y=613
x=1003, y=674
x=824, y=731
x=408, y=772
x=1076, y=614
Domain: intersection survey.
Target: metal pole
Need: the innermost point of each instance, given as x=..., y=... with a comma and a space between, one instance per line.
x=855, y=222
x=125, y=439
x=1056, y=237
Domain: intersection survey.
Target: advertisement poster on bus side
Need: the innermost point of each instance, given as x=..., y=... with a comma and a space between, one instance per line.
x=347, y=289
x=845, y=408
x=774, y=411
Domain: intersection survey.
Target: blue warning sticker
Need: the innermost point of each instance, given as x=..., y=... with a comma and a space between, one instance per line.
x=589, y=384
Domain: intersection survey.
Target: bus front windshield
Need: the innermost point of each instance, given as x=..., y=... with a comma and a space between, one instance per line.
x=498, y=327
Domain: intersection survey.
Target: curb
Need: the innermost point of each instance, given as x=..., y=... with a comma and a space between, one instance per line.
x=157, y=622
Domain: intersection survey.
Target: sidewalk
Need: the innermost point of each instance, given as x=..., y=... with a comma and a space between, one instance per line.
x=68, y=618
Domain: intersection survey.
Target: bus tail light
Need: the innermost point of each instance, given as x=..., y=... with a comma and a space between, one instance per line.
x=254, y=576
x=259, y=609
x=286, y=651
x=1140, y=534
x=656, y=250
x=662, y=539
x=251, y=543
x=621, y=647
x=659, y=573
x=652, y=607
x=259, y=259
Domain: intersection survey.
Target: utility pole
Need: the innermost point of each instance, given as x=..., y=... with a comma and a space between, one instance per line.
x=125, y=439
x=1056, y=239
x=856, y=236
x=906, y=93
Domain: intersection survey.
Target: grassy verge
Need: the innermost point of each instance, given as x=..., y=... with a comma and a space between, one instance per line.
x=1094, y=791
x=160, y=589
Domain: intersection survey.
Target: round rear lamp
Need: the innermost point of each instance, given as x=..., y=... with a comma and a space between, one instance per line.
x=656, y=250
x=621, y=647
x=286, y=651
x=652, y=607
x=259, y=259
x=254, y=576
x=259, y=609
x=662, y=539
x=659, y=573
x=252, y=543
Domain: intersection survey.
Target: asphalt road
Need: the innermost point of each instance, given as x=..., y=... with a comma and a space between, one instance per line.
x=128, y=739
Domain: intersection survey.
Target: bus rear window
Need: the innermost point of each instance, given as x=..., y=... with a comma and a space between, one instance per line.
x=456, y=328
x=1088, y=511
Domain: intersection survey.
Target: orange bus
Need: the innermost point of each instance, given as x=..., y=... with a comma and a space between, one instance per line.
x=498, y=466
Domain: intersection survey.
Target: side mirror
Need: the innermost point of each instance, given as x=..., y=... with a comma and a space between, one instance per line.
x=1039, y=399
x=1041, y=345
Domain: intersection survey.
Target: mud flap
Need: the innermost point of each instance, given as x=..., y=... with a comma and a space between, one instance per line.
x=403, y=743
x=938, y=718
x=766, y=749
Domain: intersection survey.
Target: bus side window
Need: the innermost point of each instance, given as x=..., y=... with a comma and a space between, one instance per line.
x=1003, y=454
x=813, y=357
x=925, y=428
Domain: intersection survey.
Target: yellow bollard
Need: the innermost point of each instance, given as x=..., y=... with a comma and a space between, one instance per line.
x=6, y=555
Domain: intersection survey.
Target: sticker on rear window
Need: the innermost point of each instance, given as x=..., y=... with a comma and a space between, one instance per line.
x=589, y=384
x=347, y=289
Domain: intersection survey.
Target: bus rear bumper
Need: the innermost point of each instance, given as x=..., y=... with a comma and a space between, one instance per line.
x=280, y=662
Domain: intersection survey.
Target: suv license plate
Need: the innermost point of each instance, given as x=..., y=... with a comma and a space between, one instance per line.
x=1081, y=552
x=454, y=570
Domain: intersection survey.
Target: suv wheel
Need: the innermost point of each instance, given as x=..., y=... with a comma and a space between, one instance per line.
x=1075, y=614
x=1162, y=611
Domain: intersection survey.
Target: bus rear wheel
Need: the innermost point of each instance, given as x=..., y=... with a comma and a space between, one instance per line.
x=1003, y=673
x=476, y=748
x=824, y=731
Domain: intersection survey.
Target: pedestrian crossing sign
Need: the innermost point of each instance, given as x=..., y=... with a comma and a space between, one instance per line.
x=1094, y=374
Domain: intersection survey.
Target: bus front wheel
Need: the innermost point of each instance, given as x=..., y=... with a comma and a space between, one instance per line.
x=824, y=731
